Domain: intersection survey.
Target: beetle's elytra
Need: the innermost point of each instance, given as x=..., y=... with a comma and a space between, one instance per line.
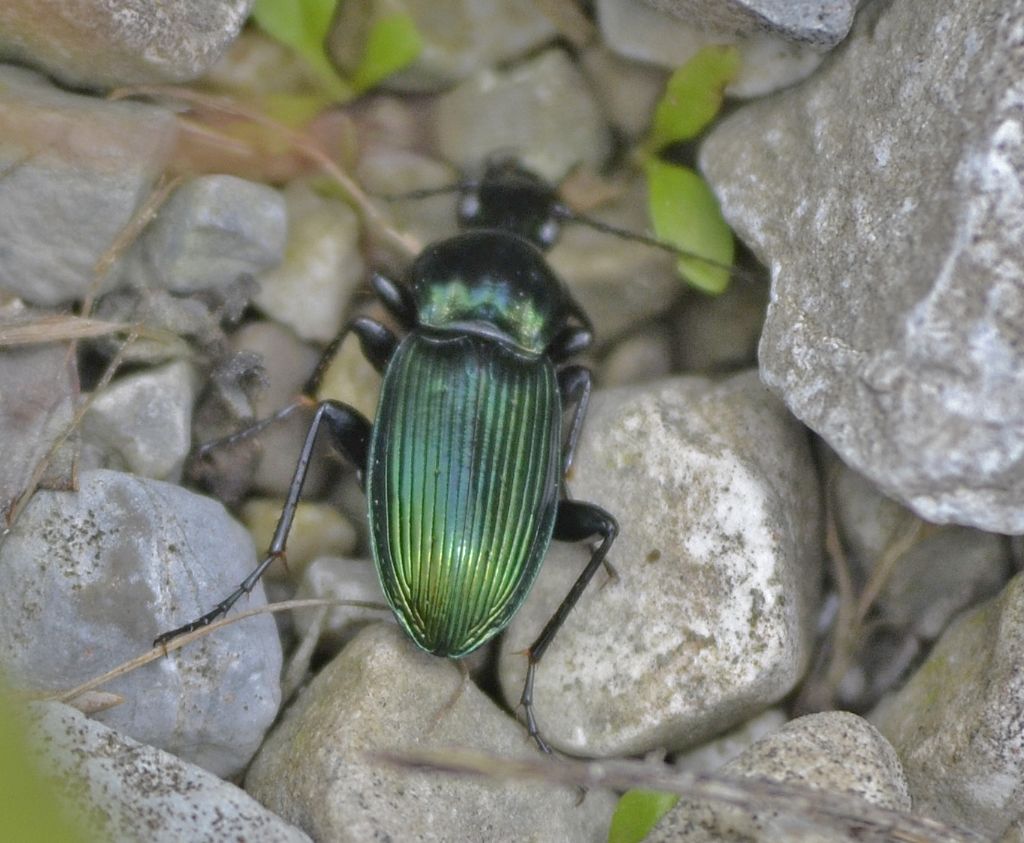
x=464, y=465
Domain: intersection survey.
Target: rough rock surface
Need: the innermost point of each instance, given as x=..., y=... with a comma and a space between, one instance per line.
x=88, y=579
x=104, y=43
x=886, y=193
x=382, y=694
x=711, y=617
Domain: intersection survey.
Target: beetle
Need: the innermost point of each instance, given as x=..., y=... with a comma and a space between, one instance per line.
x=465, y=464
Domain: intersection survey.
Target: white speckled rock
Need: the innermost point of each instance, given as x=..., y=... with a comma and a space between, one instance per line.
x=718, y=560
x=833, y=751
x=75, y=170
x=957, y=724
x=821, y=23
x=103, y=43
x=887, y=194
x=382, y=693
x=88, y=579
x=122, y=790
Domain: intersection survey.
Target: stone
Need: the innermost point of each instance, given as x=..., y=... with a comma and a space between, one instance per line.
x=459, y=37
x=38, y=390
x=642, y=357
x=142, y=423
x=627, y=90
x=340, y=578
x=710, y=619
x=120, y=789
x=76, y=169
x=886, y=195
x=819, y=23
x=108, y=43
x=381, y=693
x=645, y=34
x=956, y=724
x=212, y=231
x=540, y=111
x=88, y=579
x=717, y=752
x=834, y=751
x=311, y=289
x=720, y=333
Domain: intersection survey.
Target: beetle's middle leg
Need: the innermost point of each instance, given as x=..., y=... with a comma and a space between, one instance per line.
x=350, y=433
x=574, y=522
x=378, y=344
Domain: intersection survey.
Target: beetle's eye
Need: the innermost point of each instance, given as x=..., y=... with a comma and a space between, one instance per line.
x=469, y=207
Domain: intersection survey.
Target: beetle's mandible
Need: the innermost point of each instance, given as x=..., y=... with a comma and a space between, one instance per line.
x=464, y=465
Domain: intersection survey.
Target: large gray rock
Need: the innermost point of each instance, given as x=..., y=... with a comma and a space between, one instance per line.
x=88, y=579
x=834, y=751
x=711, y=618
x=119, y=789
x=957, y=723
x=74, y=169
x=821, y=23
x=886, y=194
x=382, y=694
x=103, y=43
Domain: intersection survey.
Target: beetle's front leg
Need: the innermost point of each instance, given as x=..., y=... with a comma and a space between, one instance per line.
x=575, y=521
x=350, y=433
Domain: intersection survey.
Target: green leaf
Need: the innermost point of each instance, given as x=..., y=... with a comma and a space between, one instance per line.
x=393, y=43
x=637, y=813
x=303, y=25
x=685, y=214
x=693, y=95
x=29, y=808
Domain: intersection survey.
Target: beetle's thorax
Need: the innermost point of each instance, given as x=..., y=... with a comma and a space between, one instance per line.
x=490, y=282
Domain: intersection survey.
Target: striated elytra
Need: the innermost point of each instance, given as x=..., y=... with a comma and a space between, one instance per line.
x=464, y=465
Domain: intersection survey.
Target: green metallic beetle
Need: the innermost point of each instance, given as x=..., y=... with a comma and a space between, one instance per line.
x=464, y=466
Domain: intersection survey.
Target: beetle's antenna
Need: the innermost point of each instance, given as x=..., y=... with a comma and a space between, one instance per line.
x=567, y=214
x=427, y=192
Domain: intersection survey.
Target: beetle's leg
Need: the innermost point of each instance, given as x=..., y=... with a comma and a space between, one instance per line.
x=378, y=344
x=574, y=383
x=350, y=433
x=396, y=298
x=575, y=521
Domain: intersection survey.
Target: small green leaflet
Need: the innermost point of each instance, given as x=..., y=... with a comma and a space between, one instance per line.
x=693, y=96
x=303, y=25
x=637, y=813
x=683, y=210
x=392, y=42
x=685, y=213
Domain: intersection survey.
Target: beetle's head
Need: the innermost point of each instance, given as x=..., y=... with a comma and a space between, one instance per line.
x=510, y=198
x=496, y=284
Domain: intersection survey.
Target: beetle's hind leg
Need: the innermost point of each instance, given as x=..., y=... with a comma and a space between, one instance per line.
x=350, y=433
x=575, y=521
